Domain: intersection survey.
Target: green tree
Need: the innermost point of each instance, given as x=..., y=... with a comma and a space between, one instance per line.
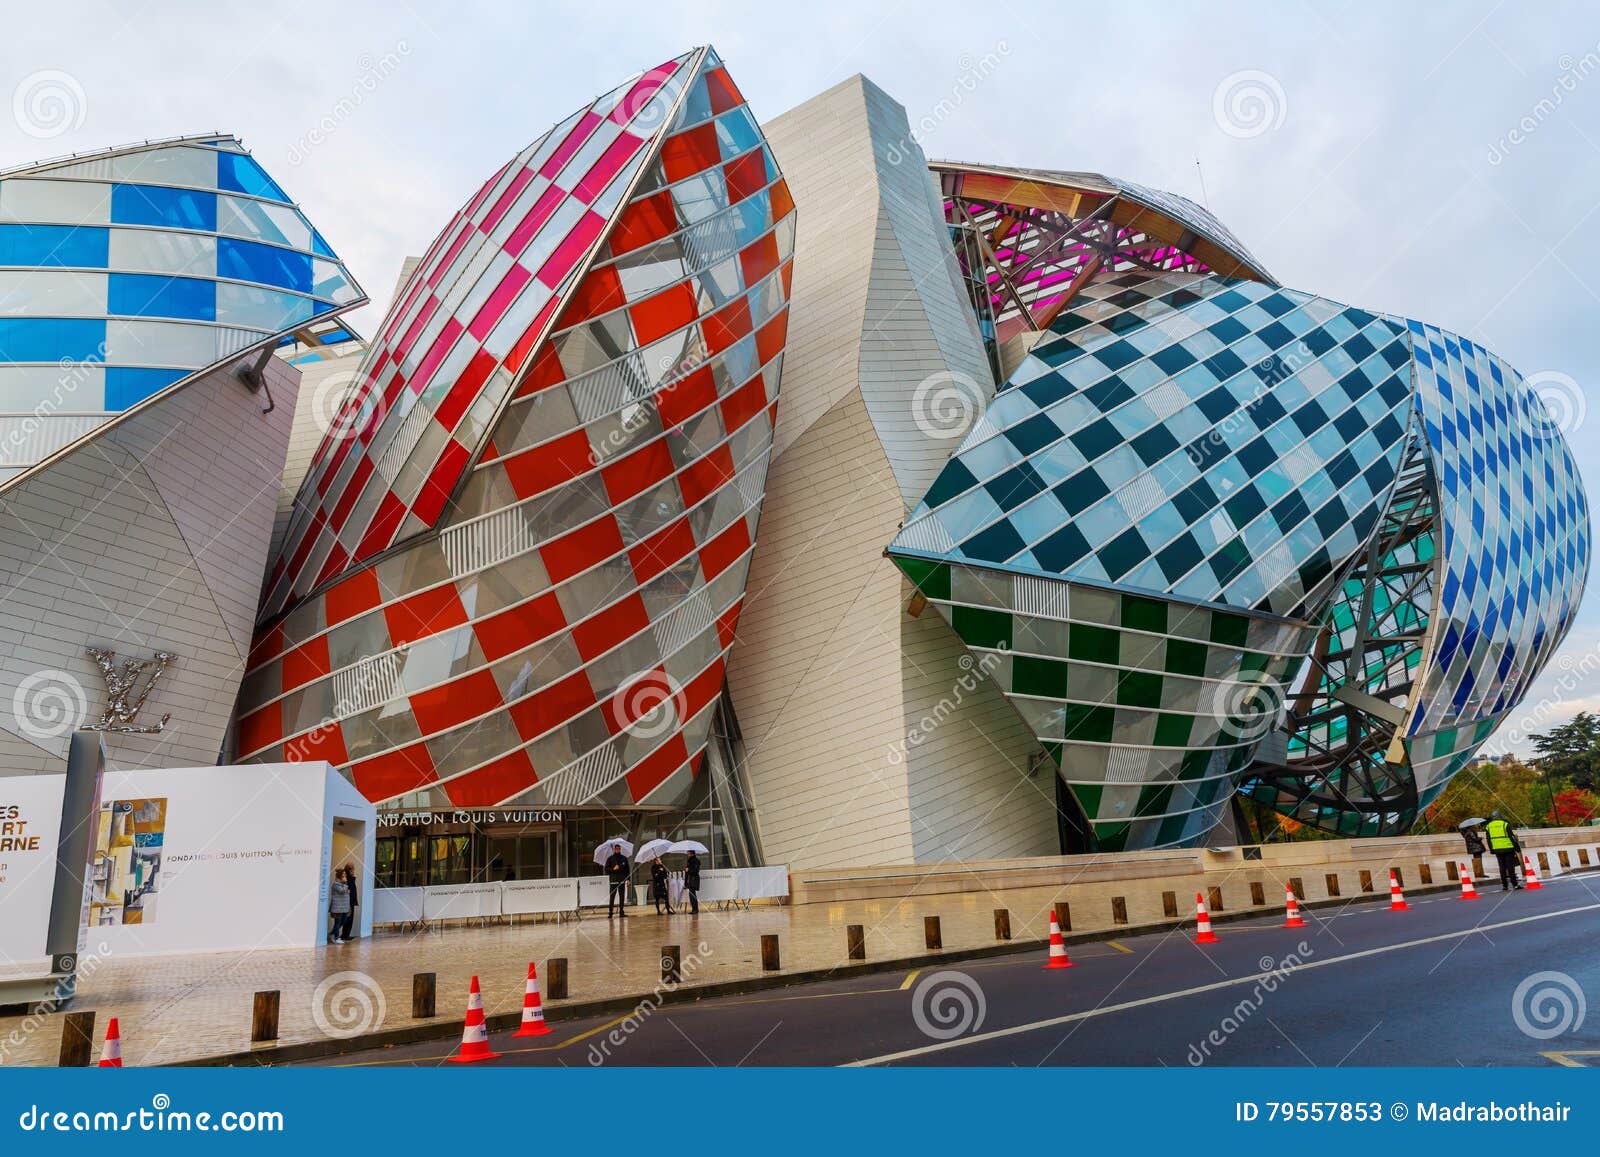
x=1571, y=751
x=1510, y=787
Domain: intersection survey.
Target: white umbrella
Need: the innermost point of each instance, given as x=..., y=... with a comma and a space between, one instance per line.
x=603, y=852
x=1472, y=823
x=652, y=850
x=690, y=846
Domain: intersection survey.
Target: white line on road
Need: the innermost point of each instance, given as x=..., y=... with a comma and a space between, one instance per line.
x=1106, y=1010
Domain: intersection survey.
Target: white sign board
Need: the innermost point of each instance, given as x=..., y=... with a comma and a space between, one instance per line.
x=524, y=897
x=396, y=905
x=593, y=891
x=764, y=883
x=718, y=885
x=458, y=901
x=30, y=826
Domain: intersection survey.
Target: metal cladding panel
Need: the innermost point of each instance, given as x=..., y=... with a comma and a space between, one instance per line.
x=126, y=272
x=579, y=497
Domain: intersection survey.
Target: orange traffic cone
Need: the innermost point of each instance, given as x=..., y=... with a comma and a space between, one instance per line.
x=111, y=1055
x=532, y=1011
x=1530, y=874
x=474, y=1033
x=1202, y=920
x=1292, y=909
x=1397, y=898
x=1058, y=947
x=1468, y=892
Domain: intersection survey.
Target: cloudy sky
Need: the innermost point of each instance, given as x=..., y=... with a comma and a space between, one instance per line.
x=1440, y=161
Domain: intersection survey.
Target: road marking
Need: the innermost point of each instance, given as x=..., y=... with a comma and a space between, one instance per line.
x=1119, y=946
x=910, y=979
x=1161, y=998
x=1569, y=1058
x=549, y=1048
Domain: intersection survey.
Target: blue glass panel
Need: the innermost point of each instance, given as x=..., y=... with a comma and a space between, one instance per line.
x=52, y=339
x=240, y=174
x=50, y=245
x=318, y=245
x=249, y=261
x=142, y=295
x=159, y=205
x=127, y=386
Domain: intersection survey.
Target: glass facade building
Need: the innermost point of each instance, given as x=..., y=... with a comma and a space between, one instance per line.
x=127, y=271
x=514, y=570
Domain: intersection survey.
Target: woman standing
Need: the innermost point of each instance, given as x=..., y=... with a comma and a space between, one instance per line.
x=658, y=886
x=338, y=907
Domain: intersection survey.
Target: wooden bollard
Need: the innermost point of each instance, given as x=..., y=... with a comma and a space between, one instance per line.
x=1119, y=909
x=77, y=1040
x=769, y=952
x=671, y=964
x=264, y=1017
x=1169, y=905
x=424, y=988
x=855, y=941
x=1002, y=924
x=1064, y=915
x=555, y=978
x=930, y=932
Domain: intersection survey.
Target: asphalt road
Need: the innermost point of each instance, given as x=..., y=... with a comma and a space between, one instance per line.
x=1445, y=983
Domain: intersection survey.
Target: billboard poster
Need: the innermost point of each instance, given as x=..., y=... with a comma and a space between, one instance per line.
x=30, y=825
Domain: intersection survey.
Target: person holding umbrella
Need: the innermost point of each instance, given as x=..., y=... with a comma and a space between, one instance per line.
x=1473, y=837
x=691, y=882
x=617, y=872
x=658, y=886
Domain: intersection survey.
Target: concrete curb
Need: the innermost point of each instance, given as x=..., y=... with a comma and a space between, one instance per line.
x=440, y=1029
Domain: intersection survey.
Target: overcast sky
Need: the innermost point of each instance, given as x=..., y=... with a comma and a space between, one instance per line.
x=1440, y=161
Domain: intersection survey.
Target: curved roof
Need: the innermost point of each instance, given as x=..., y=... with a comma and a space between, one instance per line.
x=1164, y=216
x=127, y=271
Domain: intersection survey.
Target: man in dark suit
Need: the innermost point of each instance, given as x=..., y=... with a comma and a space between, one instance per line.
x=691, y=882
x=617, y=871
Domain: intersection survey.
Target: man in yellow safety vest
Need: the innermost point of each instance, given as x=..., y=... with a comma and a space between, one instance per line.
x=1503, y=843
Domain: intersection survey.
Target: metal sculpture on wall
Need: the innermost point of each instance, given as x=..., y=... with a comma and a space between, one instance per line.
x=121, y=714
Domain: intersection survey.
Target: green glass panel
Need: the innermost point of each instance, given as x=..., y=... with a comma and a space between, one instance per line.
x=1140, y=614
x=981, y=627
x=1092, y=644
x=1138, y=689
x=1172, y=730
x=1185, y=658
x=931, y=578
x=1229, y=630
x=1047, y=677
